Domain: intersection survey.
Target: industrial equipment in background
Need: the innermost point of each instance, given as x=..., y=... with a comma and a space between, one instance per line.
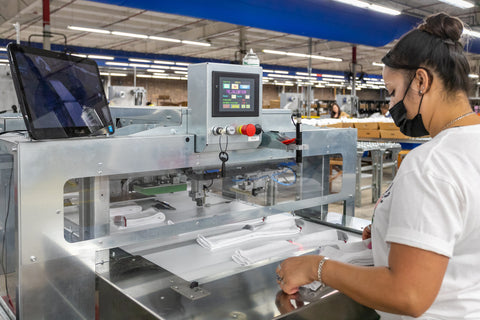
x=117, y=216
x=348, y=104
x=127, y=96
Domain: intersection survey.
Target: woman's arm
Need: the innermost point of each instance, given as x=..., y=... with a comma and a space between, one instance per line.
x=409, y=286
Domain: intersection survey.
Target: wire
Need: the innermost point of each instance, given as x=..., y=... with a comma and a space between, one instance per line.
x=208, y=187
x=293, y=121
x=282, y=183
x=13, y=131
x=4, y=259
x=220, y=143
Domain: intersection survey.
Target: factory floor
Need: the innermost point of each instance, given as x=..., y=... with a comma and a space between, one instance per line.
x=365, y=211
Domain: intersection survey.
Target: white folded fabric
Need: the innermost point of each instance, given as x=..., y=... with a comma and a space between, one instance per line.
x=146, y=217
x=273, y=227
x=125, y=210
x=354, y=252
x=286, y=248
x=358, y=253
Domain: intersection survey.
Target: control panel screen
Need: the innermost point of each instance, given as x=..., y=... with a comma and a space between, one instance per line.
x=235, y=94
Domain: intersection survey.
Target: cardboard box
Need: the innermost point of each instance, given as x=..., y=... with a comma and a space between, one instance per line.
x=335, y=125
x=361, y=133
x=387, y=126
x=366, y=125
x=392, y=134
x=274, y=104
x=341, y=125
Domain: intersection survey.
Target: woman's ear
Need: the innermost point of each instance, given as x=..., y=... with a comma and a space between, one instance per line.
x=423, y=82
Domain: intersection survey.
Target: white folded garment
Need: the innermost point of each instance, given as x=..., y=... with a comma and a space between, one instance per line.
x=273, y=227
x=358, y=253
x=146, y=217
x=125, y=210
x=286, y=248
x=355, y=253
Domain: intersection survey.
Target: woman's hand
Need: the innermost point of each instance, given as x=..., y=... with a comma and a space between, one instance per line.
x=367, y=232
x=297, y=271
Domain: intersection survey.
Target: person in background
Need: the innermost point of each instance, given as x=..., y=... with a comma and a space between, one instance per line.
x=425, y=230
x=383, y=112
x=336, y=112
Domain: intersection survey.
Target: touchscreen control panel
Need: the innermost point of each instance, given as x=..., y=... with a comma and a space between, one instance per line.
x=224, y=105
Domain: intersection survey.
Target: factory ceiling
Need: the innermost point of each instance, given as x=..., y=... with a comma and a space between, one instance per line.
x=226, y=40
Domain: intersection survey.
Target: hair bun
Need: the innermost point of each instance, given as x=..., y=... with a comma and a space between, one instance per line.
x=443, y=26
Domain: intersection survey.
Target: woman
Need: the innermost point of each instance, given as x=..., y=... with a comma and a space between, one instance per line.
x=426, y=227
x=336, y=112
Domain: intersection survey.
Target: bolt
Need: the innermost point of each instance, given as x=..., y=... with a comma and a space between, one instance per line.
x=33, y=258
x=58, y=211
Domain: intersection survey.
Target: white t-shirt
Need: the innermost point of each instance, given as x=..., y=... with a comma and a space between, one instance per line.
x=434, y=204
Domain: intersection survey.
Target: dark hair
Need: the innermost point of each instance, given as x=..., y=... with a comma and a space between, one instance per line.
x=435, y=45
x=332, y=114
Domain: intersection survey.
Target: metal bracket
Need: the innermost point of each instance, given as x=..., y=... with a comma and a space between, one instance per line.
x=190, y=290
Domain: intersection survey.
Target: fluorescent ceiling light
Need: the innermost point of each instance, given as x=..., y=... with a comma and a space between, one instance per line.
x=139, y=65
x=355, y=3
x=333, y=76
x=96, y=56
x=164, y=39
x=128, y=34
x=94, y=30
x=181, y=72
x=139, y=60
x=459, y=3
x=281, y=71
x=378, y=64
x=120, y=64
x=473, y=76
x=301, y=55
x=113, y=74
x=371, y=6
x=3, y=49
x=155, y=70
x=274, y=52
x=471, y=33
x=196, y=43
x=159, y=67
x=182, y=63
x=326, y=58
x=179, y=68
x=163, y=62
x=3, y=60
x=144, y=76
x=382, y=9
x=79, y=55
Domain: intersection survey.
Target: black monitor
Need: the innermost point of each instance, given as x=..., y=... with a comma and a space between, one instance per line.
x=235, y=94
x=60, y=95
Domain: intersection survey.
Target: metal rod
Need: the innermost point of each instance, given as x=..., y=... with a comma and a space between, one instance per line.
x=46, y=24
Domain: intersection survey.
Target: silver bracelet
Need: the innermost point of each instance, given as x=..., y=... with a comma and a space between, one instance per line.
x=319, y=271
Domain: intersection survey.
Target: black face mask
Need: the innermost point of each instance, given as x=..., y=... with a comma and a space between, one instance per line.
x=409, y=127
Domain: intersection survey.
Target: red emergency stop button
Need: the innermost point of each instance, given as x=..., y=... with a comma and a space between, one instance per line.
x=247, y=130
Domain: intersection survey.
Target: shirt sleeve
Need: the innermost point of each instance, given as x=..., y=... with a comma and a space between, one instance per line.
x=425, y=212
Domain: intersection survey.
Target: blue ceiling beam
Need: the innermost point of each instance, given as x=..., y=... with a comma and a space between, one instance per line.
x=322, y=19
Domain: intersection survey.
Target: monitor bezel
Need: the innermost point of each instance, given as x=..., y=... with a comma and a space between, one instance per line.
x=53, y=132
x=216, y=112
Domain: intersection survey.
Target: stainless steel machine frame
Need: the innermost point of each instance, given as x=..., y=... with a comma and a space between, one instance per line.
x=53, y=260
x=56, y=279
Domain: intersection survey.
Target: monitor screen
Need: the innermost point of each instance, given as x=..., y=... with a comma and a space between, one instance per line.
x=235, y=94
x=60, y=95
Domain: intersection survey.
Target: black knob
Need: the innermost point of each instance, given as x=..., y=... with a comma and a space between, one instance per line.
x=258, y=129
